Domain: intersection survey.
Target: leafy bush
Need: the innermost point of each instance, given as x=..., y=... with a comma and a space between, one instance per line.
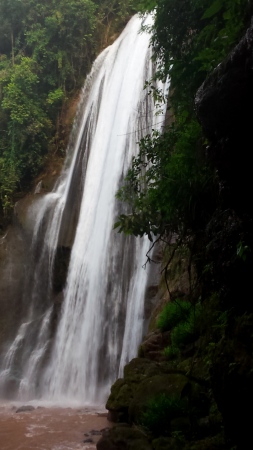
x=167, y=185
x=173, y=313
x=160, y=411
x=171, y=352
x=182, y=334
x=187, y=331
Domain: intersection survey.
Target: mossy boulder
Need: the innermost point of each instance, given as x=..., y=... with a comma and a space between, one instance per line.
x=168, y=443
x=145, y=380
x=170, y=384
x=124, y=438
x=178, y=442
x=138, y=369
x=153, y=345
x=117, y=404
x=216, y=442
x=124, y=389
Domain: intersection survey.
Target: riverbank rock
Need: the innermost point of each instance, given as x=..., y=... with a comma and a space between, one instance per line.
x=124, y=389
x=124, y=438
x=170, y=385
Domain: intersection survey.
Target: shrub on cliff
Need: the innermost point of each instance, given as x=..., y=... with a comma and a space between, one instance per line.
x=187, y=330
x=159, y=413
x=173, y=313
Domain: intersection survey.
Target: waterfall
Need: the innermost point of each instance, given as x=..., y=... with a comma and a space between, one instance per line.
x=101, y=320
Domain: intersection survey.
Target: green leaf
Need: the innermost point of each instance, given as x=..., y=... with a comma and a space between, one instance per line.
x=213, y=9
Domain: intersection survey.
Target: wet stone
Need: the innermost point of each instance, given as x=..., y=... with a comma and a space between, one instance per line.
x=25, y=408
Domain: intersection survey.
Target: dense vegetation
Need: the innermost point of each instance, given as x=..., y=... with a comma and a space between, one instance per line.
x=177, y=192
x=172, y=187
x=46, y=49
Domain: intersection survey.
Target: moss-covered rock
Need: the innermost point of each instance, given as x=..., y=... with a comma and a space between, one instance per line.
x=140, y=377
x=117, y=404
x=124, y=438
x=209, y=443
x=123, y=390
x=170, y=384
x=178, y=442
x=168, y=443
x=138, y=369
x=153, y=345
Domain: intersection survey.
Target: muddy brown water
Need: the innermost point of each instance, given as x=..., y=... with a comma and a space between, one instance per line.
x=51, y=428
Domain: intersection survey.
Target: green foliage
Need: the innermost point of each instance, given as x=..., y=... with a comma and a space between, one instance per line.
x=173, y=313
x=183, y=320
x=160, y=411
x=168, y=184
x=145, y=5
x=8, y=181
x=188, y=330
x=21, y=96
x=61, y=39
x=46, y=50
x=55, y=96
x=171, y=352
x=192, y=37
x=24, y=138
x=215, y=7
x=170, y=187
x=243, y=251
x=183, y=333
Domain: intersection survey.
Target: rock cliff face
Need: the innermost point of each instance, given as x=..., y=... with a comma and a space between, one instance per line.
x=217, y=367
x=12, y=269
x=224, y=108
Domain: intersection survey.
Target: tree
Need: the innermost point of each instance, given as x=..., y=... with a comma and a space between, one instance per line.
x=12, y=13
x=27, y=128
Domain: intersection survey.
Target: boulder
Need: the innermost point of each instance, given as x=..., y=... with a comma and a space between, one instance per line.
x=124, y=438
x=123, y=390
x=153, y=345
x=173, y=385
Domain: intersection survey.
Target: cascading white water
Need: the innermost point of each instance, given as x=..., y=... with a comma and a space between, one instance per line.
x=102, y=317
